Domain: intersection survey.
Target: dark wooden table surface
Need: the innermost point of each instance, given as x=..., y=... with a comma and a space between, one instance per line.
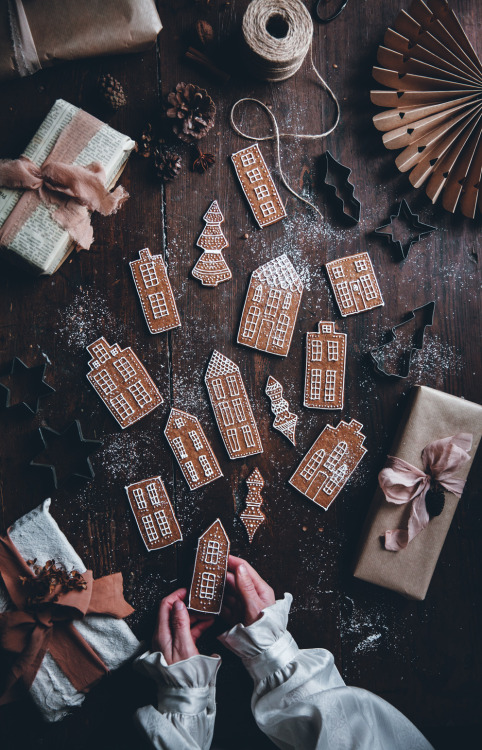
x=425, y=657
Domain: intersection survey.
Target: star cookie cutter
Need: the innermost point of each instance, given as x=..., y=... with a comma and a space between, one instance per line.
x=81, y=466
x=414, y=223
x=18, y=371
x=377, y=355
x=336, y=178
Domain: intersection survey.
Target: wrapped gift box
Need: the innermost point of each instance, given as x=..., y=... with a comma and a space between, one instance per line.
x=35, y=34
x=430, y=415
x=37, y=536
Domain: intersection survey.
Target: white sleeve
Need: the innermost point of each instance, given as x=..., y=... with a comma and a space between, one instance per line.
x=186, y=704
x=300, y=700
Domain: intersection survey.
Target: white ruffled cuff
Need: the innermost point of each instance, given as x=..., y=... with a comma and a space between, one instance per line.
x=186, y=687
x=265, y=646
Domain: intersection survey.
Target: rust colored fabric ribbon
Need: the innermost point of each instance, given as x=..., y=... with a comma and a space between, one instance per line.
x=73, y=190
x=30, y=634
x=403, y=483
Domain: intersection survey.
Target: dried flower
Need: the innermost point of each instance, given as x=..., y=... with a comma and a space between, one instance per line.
x=46, y=579
x=203, y=161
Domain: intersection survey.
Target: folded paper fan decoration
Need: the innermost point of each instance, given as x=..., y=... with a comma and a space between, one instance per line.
x=434, y=104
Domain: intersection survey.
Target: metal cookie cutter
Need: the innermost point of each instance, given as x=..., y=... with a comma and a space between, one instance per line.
x=379, y=355
x=73, y=451
x=321, y=19
x=34, y=386
x=335, y=177
x=419, y=228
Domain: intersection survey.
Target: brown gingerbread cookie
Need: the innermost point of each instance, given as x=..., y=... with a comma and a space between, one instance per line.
x=155, y=292
x=209, y=577
x=258, y=185
x=354, y=284
x=191, y=448
x=153, y=513
x=325, y=367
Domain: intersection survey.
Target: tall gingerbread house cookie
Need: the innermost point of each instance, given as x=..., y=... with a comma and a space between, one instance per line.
x=231, y=407
x=153, y=512
x=252, y=516
x=155, y=292
x=329, y=463
x=210, y=568
x=271, y=307
x=211, y=268
x=191, y=448
x=122, y=382
x=325, y=367
x=258, y=185
x=354, y=284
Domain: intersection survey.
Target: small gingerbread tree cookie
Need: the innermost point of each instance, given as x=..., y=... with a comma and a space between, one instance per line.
x=155, y=292
x=211, y=268
x=122, y=382
x=252, y=516
x=284, y=420
x=325, y=367
x=210, y=568
x=354, y=284
x=153, y=512
x=330, y=462
x=191, y=448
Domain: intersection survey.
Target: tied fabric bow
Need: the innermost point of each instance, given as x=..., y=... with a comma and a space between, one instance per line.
x=49, y=626
x=403, y=483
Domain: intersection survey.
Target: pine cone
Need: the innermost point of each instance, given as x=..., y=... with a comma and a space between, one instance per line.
x=194, y=111
x=145, y=144
x=167, y=164
x=112, y=92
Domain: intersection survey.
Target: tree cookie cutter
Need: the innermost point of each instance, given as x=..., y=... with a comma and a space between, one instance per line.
x=36, y=389
x=377, y=355
x=78, y=447
x=335, y=177
x=414, y=223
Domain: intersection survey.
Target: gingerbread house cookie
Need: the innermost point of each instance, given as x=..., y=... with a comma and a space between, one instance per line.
x=325, y=367
x=284, y=420
x=271, y=307
x=122, y=382
x=354, y=284
x=231, y=407
x=191, y=448
x=211, y=268
x=330, y=462
x=209, y=575
x=258, y=185
x=153, y=513
x=252, y=516
x=155, y=292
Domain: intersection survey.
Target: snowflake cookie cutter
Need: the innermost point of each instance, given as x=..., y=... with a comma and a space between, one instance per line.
x=30, y=402
x=336, y=178
x=377, y=355
x=80, y=446
x=413, y=221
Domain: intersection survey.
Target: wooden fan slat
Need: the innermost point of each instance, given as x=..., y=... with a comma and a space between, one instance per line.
x=412, y=82
x=392, y=118
x=445, y=165
x=456, y=178
x=471, y=188
x=448, y=18
x=415, y=134
x=396, y=61
x=403, y=99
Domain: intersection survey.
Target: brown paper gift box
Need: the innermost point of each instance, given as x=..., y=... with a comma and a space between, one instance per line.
x=430, y=415
x=69, y=29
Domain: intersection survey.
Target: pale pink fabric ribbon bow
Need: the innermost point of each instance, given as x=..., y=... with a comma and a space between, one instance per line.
x=403, y=483
x=74, y=189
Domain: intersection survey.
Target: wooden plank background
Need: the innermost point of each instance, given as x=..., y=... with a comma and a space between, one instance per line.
x=425, y=657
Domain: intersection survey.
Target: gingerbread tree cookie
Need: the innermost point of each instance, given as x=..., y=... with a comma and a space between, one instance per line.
x=211, y=268
x=271, y=307
x=325, y=367
x=191, y=448
x=155, y=292
x=258, y=185
x=330, y=462
x=209, y=575
x=122, y=382
x=284, y=420
x=354, y=284
x=153, y=513
x=231, y=407
x=252, y=516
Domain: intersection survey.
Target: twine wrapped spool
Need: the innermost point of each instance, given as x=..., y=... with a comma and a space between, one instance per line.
x=277, y=36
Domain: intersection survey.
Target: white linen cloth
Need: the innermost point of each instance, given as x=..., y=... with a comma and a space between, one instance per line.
x=299, y=699
x=37, y=535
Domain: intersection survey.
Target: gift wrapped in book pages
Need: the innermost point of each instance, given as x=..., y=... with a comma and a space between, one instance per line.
x=36, y=240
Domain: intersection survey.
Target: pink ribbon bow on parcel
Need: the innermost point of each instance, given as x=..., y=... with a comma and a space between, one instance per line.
x=403, y=483
x=73, y=189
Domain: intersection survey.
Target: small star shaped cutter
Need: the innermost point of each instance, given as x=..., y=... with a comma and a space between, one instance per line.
x=420, y=229
x=78, y=447
x=30, y=402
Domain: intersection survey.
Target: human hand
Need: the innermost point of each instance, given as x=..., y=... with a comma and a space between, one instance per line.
x=246, y=595
x=178, y=630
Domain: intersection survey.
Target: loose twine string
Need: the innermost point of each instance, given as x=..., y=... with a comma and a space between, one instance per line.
x=275, y=59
